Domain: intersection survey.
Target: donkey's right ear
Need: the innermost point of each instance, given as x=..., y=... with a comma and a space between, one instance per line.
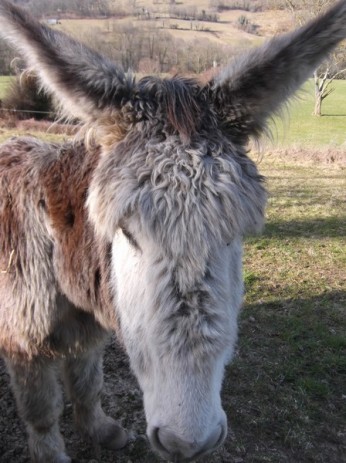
x=85, y=83
x=255, y=86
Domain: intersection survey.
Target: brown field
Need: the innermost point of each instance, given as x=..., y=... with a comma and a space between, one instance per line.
x=223, y=32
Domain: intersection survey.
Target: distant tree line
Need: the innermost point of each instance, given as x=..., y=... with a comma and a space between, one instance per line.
x=144, y=50
x=193, y=14
x=155, y=50
x=42, y=8
x=247, y=5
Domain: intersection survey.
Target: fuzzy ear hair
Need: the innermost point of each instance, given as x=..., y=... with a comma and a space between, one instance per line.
x=84, y=82
x=255, y=86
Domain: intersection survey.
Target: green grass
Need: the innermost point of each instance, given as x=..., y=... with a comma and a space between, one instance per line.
x=4, y=83
x=5, y=134
x=302, y=128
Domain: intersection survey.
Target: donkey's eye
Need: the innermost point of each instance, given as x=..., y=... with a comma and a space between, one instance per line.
x=130, y=238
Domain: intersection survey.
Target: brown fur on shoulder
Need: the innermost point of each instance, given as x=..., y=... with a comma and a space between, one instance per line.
x=46, y=237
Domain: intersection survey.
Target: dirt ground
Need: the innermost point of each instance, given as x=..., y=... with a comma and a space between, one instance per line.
x=122, y=399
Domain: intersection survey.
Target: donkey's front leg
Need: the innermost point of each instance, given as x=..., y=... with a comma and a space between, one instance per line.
x=84, y=381
x=39, y=402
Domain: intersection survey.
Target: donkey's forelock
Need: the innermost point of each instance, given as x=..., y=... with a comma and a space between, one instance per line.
x=188, y=199
x=181, y=99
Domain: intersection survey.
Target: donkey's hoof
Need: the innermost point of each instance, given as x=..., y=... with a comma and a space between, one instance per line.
x=115, y=438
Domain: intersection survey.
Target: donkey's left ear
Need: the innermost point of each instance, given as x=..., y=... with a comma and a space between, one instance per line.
x=254, y=86
x=83, y=81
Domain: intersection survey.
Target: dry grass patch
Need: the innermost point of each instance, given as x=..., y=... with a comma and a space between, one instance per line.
x=50, y=131
x=326, y=156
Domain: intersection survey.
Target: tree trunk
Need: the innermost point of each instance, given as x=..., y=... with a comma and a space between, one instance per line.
x=319, y=90
x=318, y=104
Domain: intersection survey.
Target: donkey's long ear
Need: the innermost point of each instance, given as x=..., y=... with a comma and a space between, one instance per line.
x=255, y=86
x=84, y=82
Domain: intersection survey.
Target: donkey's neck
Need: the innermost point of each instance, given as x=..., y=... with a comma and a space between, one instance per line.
x=81, y=260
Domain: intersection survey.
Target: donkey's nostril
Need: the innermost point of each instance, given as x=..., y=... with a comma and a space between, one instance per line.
x=174, y=445
x=174, y=448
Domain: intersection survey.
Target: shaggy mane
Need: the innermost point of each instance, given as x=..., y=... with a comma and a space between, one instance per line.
x=178, y=98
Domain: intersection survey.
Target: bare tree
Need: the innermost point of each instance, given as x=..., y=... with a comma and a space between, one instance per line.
x=331, y=69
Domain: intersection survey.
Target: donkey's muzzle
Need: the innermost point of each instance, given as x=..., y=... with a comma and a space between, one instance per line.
x=175, y=449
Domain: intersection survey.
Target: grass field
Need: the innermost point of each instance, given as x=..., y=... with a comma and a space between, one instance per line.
x=287, y=387
x=4, y=82
x=300, y=127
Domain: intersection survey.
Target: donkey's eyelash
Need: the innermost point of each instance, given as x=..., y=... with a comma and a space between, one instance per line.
x=130, y=238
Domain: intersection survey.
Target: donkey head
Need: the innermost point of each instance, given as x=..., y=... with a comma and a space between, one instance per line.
x=174, y=192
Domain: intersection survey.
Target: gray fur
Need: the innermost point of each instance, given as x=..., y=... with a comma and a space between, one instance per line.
x=135, y=228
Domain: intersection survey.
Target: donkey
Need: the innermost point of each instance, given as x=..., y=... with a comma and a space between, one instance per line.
x=136, y=227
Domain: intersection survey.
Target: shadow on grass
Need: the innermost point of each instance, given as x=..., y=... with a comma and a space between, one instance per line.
x=284, y=392
x=326, y=301
x=331, y=227
x=299, y=341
